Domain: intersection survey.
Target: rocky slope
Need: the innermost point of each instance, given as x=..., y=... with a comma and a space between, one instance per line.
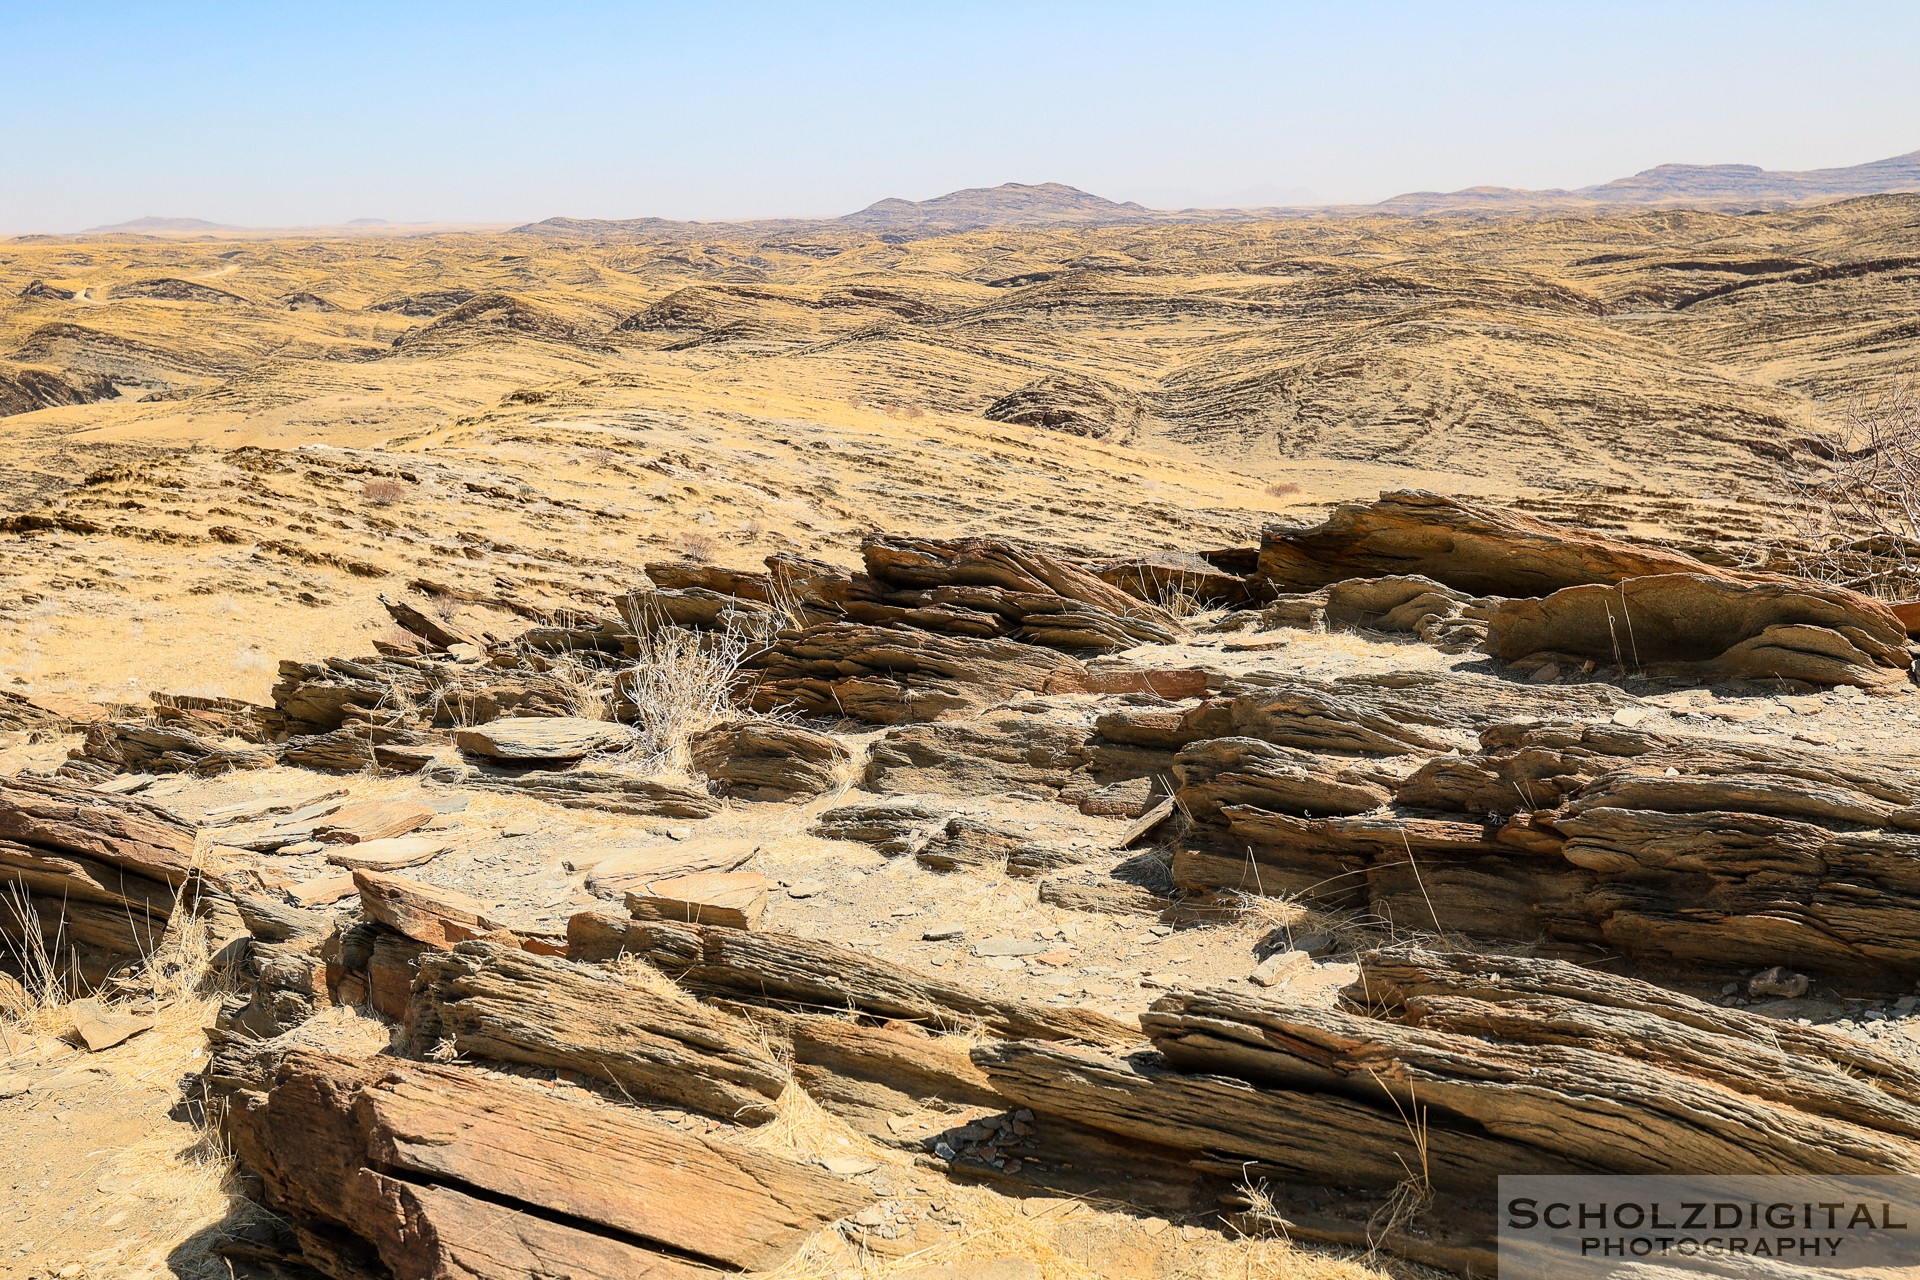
x=287, y=424
x=1005, y=875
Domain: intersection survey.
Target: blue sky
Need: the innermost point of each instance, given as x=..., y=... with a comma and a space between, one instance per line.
x=289, y=113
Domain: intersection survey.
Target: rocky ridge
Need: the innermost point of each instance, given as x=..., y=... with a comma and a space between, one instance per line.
x=567, y=1081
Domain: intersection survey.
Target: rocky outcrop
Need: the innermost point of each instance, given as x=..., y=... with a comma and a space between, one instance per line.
x=1394, y=714
x=437, y=632
x=765, y=759
x=421, y=1171
x=281, y=981
x=1677, y=855
x=696, y=609
x=977, y=588
x=1450, y=620
x=97, y=877
x=118, y=747
x=493, y=316
x=967, y=842
x=1232, y=773
x=1072, y=404
x=894, y=827
x=505, y=1005
x=429, y=914
x=995, y=753
x=681, y=575
x=1710, y=627
x=360, y=744
x=895, y=675
x=1479, y=550
x=23, y=390
x=1033, y=590
x=45, y=716
x=542, y=739
x=319, y=697
x=808, y=971
x=588, y=787
x=1465, y=1068
x=1174, y=576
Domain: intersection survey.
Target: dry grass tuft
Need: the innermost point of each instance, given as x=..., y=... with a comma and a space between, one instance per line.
x=636, y=972
x=589, y=686
x=800, y=1128
x=160, y=1197
x=1291, y=915
x=682, y=682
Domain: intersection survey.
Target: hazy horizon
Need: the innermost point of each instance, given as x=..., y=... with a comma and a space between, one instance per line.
x=486, y=113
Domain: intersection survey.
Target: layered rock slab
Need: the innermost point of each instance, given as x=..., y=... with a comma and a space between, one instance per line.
x=1711, y=627
x=425, y=1171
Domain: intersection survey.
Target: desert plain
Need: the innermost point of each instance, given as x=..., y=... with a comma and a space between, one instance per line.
x=1170, y=747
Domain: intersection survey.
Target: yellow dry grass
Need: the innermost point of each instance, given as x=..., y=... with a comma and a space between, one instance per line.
x=155, y=1184
x=272, y=465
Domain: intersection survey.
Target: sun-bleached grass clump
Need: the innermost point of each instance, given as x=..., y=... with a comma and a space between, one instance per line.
x=680, y=683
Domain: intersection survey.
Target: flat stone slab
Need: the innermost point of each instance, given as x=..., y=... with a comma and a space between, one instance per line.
x=556, y=738
x=735, y=899
x=323, y=890
x=374, y=820
x=390, y=854
x=101, y=1027
x=633, y=871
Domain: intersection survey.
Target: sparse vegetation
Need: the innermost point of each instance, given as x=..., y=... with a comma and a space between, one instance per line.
x=164, y=1181
x=1856, y=521
x=680, y=682
x=383, y=493
x=698, y=546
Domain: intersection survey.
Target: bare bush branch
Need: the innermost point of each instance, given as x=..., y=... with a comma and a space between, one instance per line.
x=1857, y=522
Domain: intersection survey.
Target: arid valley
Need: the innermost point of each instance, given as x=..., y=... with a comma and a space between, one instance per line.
x=1012, y=736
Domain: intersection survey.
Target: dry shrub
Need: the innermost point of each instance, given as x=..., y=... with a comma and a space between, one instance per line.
x=698, y=546
x=1857, y=522
x=683, y=681
x=637, y=972
x=1282, y=489
x=383, y=493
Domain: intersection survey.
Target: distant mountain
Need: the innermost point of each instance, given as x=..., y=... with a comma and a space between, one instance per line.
x=151, y=225
x=1054, y=204
x=1011, y=204
x=1697, y=185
